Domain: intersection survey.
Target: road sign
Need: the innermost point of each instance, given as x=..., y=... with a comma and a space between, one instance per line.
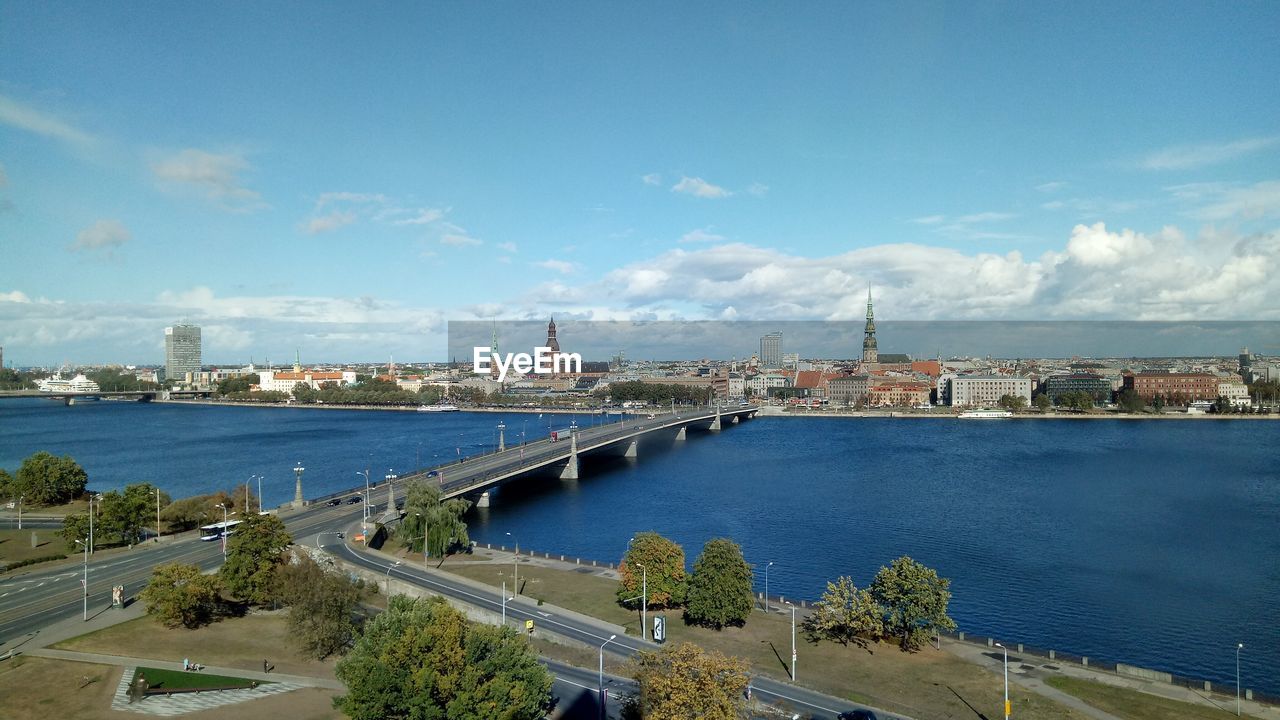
x=659, y=628
x=528, y=625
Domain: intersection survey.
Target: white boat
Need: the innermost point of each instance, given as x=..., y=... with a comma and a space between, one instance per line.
x=77, y=384
x=983, y=414
x=438, y=408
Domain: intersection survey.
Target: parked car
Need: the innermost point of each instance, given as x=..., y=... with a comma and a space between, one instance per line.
x=857, y=715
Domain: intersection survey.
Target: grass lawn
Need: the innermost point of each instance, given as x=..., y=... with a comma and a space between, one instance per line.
x=582, y=592
x=1134, y=705
x=179, y=680
x=241, y=643
x=15, y=545
x=40, y=689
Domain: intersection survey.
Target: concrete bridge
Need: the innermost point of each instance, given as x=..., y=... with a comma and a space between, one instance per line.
x=69, y=398
x=475, y=476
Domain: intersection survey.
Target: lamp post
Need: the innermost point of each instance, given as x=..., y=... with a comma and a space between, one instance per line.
x=793, y=642
x=157, y=514
x=502, y=438
x=389, y=569
x=766, y=586
x=91, y=499
x=364, y=519
x=246, y=493
x=225, y=515
x=20, y=499
x=1239, y=647
x=259, y=494
x=515, y=562
x=601, y=695
x=1006, y=680
x=644, y=602
x=85, y=543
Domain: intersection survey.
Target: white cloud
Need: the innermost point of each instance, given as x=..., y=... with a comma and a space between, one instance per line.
x=214, y=176
x=929, y=219
x=32, y=120
x=328, y=223
x=14, y=296
x=983, y=217
x=758, y=189
x=1094, y=246
x=459, y=239
x=102, y=235
x=651, y=179
x=1182, y=157
x=698, y=187
x=561, y=266
x=700, y=235
x=1049, y=187
x=508, y=247
x=1225, y=201
x=422, y=216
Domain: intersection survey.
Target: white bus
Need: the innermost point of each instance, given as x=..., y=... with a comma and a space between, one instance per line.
x=209, y=533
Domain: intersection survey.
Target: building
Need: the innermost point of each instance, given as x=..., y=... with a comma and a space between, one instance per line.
x=1098, y=387
x=1176, y=387
x=181, y=351
x=898, y=392
x=278, y=381
x=848, y=391
x=1236, y=393
x=791, y=360
x=986, y=390
x=761, y=384
x=771, y=350
x=870, y=354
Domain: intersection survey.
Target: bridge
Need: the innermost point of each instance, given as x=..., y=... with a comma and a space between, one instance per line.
x=475, y=476
x=69, y=398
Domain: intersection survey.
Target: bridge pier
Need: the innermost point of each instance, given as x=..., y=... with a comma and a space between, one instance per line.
x=483, y=500
x=570, y=471
x=715, y=424
x=631, y=450
x=681, y=435
x=735, y=420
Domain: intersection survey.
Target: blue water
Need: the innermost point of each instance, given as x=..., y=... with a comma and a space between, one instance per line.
x=1155, y=543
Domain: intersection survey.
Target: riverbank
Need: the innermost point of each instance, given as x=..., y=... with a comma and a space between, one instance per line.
x=385, y=408
x=773, y=411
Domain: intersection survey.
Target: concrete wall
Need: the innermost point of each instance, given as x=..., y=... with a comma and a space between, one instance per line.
x=1144, y=673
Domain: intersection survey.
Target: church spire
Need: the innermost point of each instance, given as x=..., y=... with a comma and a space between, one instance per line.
x=870, y=354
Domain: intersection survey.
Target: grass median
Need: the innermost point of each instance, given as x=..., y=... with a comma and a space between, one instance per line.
x=1133, y=705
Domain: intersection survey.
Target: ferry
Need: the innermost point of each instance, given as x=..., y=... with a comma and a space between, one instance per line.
x=438, y=408
x=77, y=384
x=982, y=414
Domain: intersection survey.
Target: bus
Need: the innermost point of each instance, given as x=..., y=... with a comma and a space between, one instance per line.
x=209, y=533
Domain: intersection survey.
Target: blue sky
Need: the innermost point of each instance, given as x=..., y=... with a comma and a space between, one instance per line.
x=345, y=178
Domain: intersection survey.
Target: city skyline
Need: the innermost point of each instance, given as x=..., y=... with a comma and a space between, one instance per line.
x=351, y=184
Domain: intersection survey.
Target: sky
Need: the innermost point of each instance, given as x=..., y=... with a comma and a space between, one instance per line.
x=344, y=179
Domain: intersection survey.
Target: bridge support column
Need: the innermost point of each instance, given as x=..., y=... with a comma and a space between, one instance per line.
x=735, y=420
x=483, y=500
x=570, y=471
x=715, y=424
x=681, y=435
x=631, y=450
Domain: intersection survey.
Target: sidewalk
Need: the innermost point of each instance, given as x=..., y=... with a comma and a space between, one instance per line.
x=1031, y=672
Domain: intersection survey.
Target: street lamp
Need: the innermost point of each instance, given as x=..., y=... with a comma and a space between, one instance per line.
x=515, y=562
x=364, y=522
x=1239, y=647
x=20, y=499
x=389, y=569
x=246, y=496
x=601, y=695
x=259, y=494
x=157, y=514
x=1006, y=680
x=85, y=543
x=504, y=603
x=91, y=499
x=225, y=515
x=793, y=641
x=766, y=586
x=644, y=602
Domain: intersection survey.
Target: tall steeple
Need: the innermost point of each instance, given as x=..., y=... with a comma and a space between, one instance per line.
x=552, y=342
x=297, y=360
x=869, y=352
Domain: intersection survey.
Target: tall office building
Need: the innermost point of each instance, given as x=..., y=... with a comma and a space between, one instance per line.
x=181, y=351
x=771, y=350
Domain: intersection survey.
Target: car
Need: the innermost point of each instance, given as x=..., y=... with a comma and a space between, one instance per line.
x=335, y=501
x=433, y=473
x=857, y=715
x=354, y=499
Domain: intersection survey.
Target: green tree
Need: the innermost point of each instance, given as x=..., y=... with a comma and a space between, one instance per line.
x=720, y=587
x=1130, y=402
x=914, y=599
x=1012, y=402
x=179, y=595
x=420, y=659
x=321, y=605
x=845, y=615
x=75, y=527
x=431, y=519
x=47, y=480
x=1043, y=403
x=254, y=551
x=304, y=393
x=662, y=572
x=683, y=681
x=126, y=514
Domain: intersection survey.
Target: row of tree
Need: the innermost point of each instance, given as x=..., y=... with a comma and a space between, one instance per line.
x=716, y=594
x=905, y=602
x=128, y=515
x=432, y=524
x=44, y=479
x=653, y=393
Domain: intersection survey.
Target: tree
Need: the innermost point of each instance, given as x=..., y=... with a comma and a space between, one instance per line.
x=420, y=659
x=1043, y=403
x=845, y=615
x=75, y=527
x=304, y=393
x=1012, y=402
x=663, y=570
x=253, y=551
x=47, y=480
x=720, y=588
x=179, y=595
x=914, y=599
x=682, y=681
x=320, y=603
x=125, y=514
x=1130, y=402
x=431, y=519
x=6, y=485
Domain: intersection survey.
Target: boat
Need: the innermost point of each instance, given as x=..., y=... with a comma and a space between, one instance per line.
x=438, y=408
x=77, y=384
x=984, y=414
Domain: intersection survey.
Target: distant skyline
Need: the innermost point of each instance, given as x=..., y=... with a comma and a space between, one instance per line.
x=347, y=179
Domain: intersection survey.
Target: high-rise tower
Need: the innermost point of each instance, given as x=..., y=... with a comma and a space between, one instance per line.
x=869, y=352
x=181, y=351
x=771, y=350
